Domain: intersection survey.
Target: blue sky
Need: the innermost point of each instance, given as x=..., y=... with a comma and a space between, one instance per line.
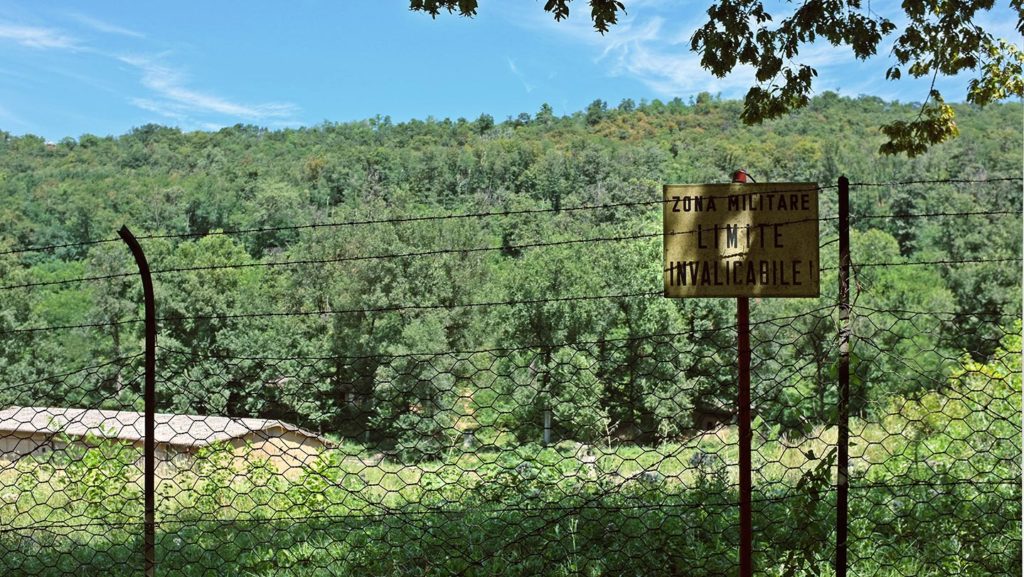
x=73, y=67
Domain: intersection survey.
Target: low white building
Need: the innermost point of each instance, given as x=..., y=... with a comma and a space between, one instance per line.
x=28, y=431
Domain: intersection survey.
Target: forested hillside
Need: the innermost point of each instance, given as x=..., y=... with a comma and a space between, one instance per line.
x=368, y=275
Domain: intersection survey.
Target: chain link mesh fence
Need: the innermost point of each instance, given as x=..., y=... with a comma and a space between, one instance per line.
x=555, y=451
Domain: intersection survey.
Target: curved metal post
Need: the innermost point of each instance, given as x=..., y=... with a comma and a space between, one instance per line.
x=149, y=394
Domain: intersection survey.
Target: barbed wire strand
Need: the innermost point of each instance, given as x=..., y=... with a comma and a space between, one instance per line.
x=390, y=220
x=484, y=214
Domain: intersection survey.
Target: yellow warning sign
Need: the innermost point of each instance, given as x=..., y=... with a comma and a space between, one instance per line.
x=741, y=240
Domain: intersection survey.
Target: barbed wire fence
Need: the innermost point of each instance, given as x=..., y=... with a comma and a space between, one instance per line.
x=566, y=451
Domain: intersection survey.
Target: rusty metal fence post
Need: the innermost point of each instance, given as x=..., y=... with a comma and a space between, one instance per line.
x=149, y=394
x=743, y=425
x=843, y=417
x=746, y=436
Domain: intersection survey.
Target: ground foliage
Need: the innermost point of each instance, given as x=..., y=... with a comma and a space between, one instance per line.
x=936, y=503
x=478, y=329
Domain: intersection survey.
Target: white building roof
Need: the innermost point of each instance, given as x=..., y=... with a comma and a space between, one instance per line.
x=190, y=431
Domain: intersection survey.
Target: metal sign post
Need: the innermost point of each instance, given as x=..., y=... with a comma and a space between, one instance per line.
x=843, y=442
x=746, y=435
x=742, y=240
x=743, y=401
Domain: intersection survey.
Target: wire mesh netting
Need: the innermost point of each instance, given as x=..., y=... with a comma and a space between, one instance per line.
x=355, y=432
x=937, y=465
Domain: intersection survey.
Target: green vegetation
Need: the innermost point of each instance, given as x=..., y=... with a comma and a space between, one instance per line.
x=214, y=359
x=537, y=511
x=438, y=372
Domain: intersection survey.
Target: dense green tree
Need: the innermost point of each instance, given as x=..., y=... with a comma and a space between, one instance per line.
x=365, y=315
x=891, y=356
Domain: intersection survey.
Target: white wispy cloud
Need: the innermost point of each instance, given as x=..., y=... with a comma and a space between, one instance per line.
x=662, y=59
x=158, y=108
x=37, y=37
x=652, y=45
x=104, y=26
x=175, y=99
x=634, y=33
x=645, y=47
x=522, y=78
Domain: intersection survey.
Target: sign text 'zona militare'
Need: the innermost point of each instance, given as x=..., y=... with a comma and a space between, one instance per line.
x=741, y=240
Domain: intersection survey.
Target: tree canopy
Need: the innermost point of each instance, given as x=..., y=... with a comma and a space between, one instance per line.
x=317, y=275
x=937, y=38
